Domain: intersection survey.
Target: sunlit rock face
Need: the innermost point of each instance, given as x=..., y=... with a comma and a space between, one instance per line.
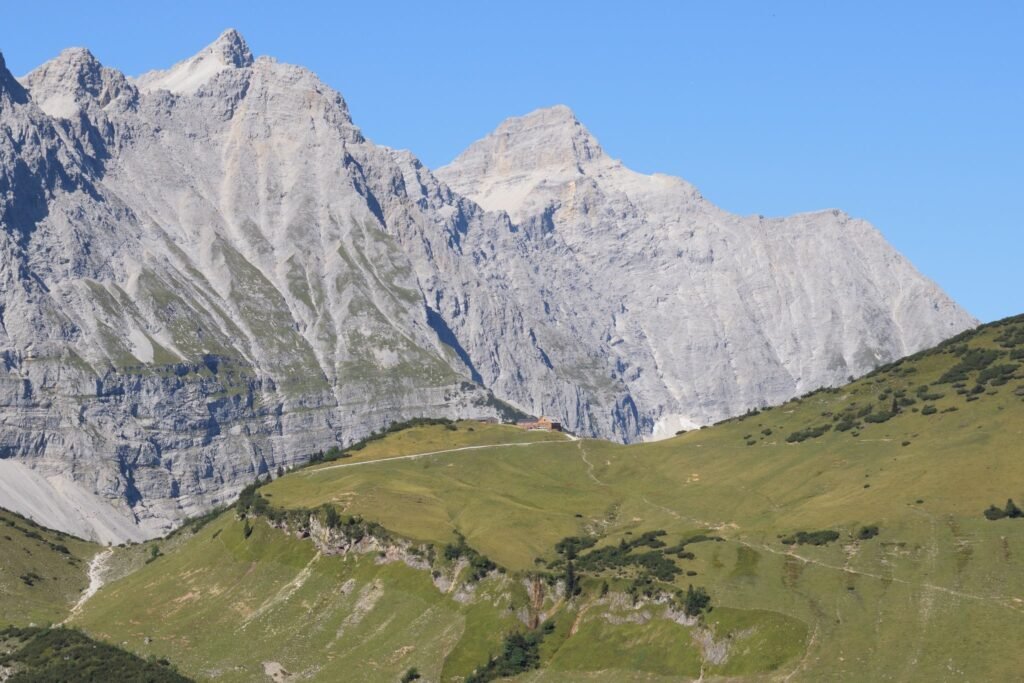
x=208, y=272
x=699, y=313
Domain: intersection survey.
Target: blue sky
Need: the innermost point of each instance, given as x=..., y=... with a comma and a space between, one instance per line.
x=909, y=116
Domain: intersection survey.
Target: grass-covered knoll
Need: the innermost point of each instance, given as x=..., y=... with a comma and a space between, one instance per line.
x=61, y=655
x=437, y=435
x=230, y=606
x=858, y=550
x=42, y=572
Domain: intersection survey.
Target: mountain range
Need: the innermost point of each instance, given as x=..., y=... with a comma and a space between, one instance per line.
x=209, y=273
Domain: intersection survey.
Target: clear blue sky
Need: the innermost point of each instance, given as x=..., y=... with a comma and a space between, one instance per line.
x=909, y=114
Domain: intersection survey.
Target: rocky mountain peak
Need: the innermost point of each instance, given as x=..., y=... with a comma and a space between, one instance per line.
x=545, y=138
x=543, y=147
x=229, y=51
x=73, y=80
x=232, y=49
x=9, y=85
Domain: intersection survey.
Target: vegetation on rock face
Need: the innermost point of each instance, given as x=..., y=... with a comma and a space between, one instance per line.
x=479, y=565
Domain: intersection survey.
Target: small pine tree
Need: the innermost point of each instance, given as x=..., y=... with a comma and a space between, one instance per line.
x=572, y=582
x=696, y=601
x=1011, y=509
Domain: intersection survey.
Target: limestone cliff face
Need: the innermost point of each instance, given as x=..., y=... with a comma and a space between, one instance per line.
x=701, y=313
x=208, y=272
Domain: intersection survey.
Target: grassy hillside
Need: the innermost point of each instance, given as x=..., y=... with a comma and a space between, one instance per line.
x=42, y=572
x=839, y=536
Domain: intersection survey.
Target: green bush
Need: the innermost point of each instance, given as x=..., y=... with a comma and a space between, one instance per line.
x=809, y=433
x=993, y=513
x=41, y=655
x=845, y=425
x=331, y=518
x=1000, y=372
x=572, y=545
x=867, y=532
x=971, y=360
x=696, y=601
x=879, y=417
x=823, y=537
x=480, y=565
x=519, y=653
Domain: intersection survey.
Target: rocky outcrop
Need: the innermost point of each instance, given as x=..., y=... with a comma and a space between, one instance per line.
x=208, y=272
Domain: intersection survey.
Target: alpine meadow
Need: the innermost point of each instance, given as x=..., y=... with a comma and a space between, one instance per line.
x=283, y=404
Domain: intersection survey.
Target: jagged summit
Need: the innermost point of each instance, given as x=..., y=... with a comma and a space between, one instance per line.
x=229, y=51
x=77, y=62
x=232, y=48
x=543, y=146
x=550, y=137
x=72, y=80
x=80, y=56
x=8, y=84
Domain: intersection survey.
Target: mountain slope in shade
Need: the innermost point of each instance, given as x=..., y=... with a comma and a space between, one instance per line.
x=209, y=273
x=707, y=313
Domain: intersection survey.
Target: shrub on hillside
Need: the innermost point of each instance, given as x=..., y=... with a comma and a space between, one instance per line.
x=479, y=565
x=519, y=653
x=993, y=513
x=881, y=416
x=696, y=601
x=823, y=537
x=809, y=433
x=971, y=360
x=67, y=655
x=1001, y=372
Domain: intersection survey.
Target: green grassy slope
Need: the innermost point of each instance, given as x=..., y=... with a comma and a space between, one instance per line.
x=42, y=572
x=224, y=607
x=937, y=594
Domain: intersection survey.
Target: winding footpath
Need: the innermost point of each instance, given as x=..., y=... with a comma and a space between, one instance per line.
x=317, y=470
x=96, y=567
